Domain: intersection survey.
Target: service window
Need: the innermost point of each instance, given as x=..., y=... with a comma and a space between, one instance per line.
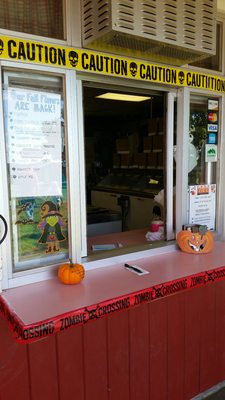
x=36, y=164
x=125, y=159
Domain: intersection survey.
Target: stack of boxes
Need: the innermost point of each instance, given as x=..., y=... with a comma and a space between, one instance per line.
x=151, y=157
x=153, y=143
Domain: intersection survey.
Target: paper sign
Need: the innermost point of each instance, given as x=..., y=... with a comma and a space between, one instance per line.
x=213, y=105
x=202, y=205
x=210, y=153
x=212, y=128
x=34, y=144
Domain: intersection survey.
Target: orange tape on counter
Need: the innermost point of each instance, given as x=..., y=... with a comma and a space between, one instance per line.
x=43, y=329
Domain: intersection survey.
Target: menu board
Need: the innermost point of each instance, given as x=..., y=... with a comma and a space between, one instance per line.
x=34, y=142
x=202, y=205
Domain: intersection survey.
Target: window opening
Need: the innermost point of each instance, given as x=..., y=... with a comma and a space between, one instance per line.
x=125, y=166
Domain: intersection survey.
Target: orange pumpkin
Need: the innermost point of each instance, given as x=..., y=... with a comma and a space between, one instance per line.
x=195, y=243
x=71, y=273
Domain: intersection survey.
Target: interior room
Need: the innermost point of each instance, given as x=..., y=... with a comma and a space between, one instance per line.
x=124, y=156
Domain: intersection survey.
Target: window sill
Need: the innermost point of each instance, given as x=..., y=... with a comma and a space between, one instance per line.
x=41, y=309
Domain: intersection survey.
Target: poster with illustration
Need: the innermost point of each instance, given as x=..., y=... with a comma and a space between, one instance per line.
x=40, y=228
x=51, y=227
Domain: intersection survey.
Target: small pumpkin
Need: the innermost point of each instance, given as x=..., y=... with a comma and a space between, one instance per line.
x=195, y=243
x=70, y=273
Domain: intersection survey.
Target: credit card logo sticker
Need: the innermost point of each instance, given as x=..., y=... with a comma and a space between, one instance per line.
x=213, y=104
x=212, y=117
x=212, y=138
x=212, y=127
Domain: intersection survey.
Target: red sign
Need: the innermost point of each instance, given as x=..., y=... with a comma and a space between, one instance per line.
x=212, y=117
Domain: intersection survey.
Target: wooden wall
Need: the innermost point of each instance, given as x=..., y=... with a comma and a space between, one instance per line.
x=170, y=349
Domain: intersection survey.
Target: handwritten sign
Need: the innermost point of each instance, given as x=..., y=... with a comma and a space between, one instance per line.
x=34, y=142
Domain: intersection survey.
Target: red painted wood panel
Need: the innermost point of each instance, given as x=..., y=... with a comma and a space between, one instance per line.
x=43, y=369
x=193, y=304
x=139, y=352
x=176, y=332
x=158, y=349
x=220, y=330
x=208, y=338
x=70, y=363
x=118, y=356
x=170, y=349
x=14, y=374
x=95, y=360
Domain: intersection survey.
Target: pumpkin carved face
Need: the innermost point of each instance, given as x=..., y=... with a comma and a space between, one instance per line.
x=71, y=274
x=195, y=243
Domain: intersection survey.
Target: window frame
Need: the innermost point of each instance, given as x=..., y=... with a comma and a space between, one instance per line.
x=171, y=95
x=11, y=278
x=182, y=207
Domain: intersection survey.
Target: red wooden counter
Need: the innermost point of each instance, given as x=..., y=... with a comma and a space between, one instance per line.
x=117, y=335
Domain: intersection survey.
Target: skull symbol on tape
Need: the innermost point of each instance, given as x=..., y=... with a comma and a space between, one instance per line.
x=73, y=58
x=181, y=77
x=133, y=68
x=1, y=46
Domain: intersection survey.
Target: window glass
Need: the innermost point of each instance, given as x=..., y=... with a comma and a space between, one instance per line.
x=214, y=62
x=200, y=135
x=125, y=167
x=44, y=18
x=202, y=162
x=36, y=160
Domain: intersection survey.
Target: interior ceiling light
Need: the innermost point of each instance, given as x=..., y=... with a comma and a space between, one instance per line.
x=122, y=97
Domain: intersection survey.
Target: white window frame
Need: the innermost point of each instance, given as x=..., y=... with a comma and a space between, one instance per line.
x=183, y=115
x=171, y=95
x=11, y=278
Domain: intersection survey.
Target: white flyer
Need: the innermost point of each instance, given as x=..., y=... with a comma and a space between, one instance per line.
x=34, y=143
x=202, y=205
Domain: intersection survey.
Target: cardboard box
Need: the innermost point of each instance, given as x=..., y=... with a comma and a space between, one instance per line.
x=151, y=160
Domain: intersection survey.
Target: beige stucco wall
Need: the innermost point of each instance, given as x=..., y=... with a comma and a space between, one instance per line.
x=221, y=5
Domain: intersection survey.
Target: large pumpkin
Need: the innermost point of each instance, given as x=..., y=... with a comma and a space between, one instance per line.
x=195, y=243
x=71, y=273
